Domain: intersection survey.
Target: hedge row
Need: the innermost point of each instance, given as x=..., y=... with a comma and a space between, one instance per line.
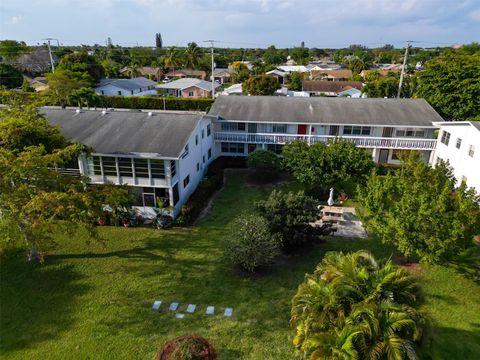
x=213, y=182
x=125, y=102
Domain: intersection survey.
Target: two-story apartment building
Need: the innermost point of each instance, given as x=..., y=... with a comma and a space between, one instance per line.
x=459, y=144
x=160, y=156
x=383, y=126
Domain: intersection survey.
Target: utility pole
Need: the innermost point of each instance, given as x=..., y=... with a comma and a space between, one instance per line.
x=403, y=70
x=212, y=43
x=50, y=52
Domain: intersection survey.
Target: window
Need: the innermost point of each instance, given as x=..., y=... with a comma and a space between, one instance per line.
x=196, y=139
x=471, y=151
x=103, y=92
x=120, y=93
x=459, y=143
x=109, y=166
x=276, y=148
x=190, y=93
x=203, y=159
x=356, y=130
x=209, y=130
x=238, y=148
x=173, y=168
x=410, y=132
x=185, y=152
x=141, y=168
x=97, y=168
x=203, y=133
x=231, y=126
x=125, y=166
x=279, y=128
x=209, y=153
x=175, y=194
x=198, y=166
x=131, y=92
x=445, y=137
x=186, y=181
x=157, y=169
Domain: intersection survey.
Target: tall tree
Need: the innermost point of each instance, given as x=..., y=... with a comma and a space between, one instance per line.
x=295, y=81
x=11, y=49
x=10, y=77
x=61, y=83
x=260, y=85
x=240, y=72
x=320, y=166
x=419, y=210
x=193, y=54
x=451, y=84
x=158, y=41
x=173, y=58
x=80, y=63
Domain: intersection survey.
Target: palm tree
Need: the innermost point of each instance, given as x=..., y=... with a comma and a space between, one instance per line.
x=172, y=59
x=193, y=54
x=353, y=306
x=133, y=70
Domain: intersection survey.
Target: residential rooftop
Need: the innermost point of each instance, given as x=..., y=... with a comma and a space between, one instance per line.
x=326, y=110
x=185, y=83
x=127, y=84
x=126, y=132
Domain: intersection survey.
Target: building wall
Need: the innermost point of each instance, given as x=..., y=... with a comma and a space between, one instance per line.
x=464, y=165
x=195, y=91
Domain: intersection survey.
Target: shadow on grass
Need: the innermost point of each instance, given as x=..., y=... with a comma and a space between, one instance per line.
x=37, y=302
x=465, y=346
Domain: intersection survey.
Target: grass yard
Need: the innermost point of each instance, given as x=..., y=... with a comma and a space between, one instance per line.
x=95, y=302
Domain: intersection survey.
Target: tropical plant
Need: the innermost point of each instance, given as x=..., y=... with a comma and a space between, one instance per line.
x=189, y=347
x=173, y=58
x=193, y=54
x=250, y=243
x=353, y=307
x=10, y=77
x=265, y=163
x=260, y=85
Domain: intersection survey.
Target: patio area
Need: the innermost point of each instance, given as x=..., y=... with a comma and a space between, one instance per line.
x=344, y=221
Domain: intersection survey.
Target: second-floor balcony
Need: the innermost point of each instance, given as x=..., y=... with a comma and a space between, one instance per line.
x=360, y=141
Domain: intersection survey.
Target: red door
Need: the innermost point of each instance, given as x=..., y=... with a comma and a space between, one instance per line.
x=302, y=130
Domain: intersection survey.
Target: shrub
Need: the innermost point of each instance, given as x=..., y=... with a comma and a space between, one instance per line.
x=250, y=243
x=266, y=164
x=289, y=215
x=190, y=347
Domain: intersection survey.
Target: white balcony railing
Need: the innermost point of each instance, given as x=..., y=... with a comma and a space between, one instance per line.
x=360, y=141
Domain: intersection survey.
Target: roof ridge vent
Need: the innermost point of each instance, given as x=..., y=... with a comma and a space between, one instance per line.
x=150, y=113
x=78, y=111
x=104, y=112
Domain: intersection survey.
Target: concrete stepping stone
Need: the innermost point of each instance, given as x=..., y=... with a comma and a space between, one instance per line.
x=191, y=308
x=179, y=316
x=156, y=305
x=228, y=312
x=173, y=306
x=210, y=310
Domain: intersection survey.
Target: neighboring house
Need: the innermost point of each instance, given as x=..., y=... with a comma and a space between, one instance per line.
x=222, y=76
x=352, y=93
x=138, y=86
x=160, y=156
x=333, y=75
x=152, y=73
x=278, y=74
x=38, y=84
x=283, y=91
x=380, y=72
x=188, y=88
x=459, y=143
x=293, y=68
x=187, y=73
x=332, y=88
x=383, y=126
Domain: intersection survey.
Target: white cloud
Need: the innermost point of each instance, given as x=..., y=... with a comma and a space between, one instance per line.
x=475, y=15
x=16, y=19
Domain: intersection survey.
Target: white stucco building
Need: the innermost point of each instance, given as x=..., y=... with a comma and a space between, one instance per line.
x=459, y=143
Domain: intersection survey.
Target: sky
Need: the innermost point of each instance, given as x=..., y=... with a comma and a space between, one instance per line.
x=243, y=23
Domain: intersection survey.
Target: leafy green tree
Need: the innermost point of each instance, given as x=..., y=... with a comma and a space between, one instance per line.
x=288, y=215
x=356, y=64
x=193, y=54
x=418, y=209
x=61, y=83
x=10, y=49
x=250, y=243
x=451, y=84
x=322, y=165
x=142, y=56
x=84, y=97
x=353, y=307
x=300, y=55
x=110, y=68
x=377, y=86
x=173, y=58
x=21, y=126
x=263, y=160
x=295, y=81
x=272, y=56
x=10, y=77
x=81, y=63
x=240, y=72
x=260, y=85
x=35, y=200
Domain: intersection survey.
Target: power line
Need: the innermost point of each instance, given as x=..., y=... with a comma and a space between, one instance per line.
x=50, y=52
x=212, y=43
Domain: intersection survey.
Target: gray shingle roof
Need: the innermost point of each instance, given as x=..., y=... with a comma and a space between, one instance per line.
x=185, y=83
x=164, y=134
x=323, y=110
x=127, y=84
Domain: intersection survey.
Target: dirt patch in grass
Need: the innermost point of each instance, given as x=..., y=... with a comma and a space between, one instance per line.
x=406, y=263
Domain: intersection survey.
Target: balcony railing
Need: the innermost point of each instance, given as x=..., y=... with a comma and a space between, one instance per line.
x=360, y=141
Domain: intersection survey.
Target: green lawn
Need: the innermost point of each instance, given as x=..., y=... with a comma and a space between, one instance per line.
x=95, y=302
